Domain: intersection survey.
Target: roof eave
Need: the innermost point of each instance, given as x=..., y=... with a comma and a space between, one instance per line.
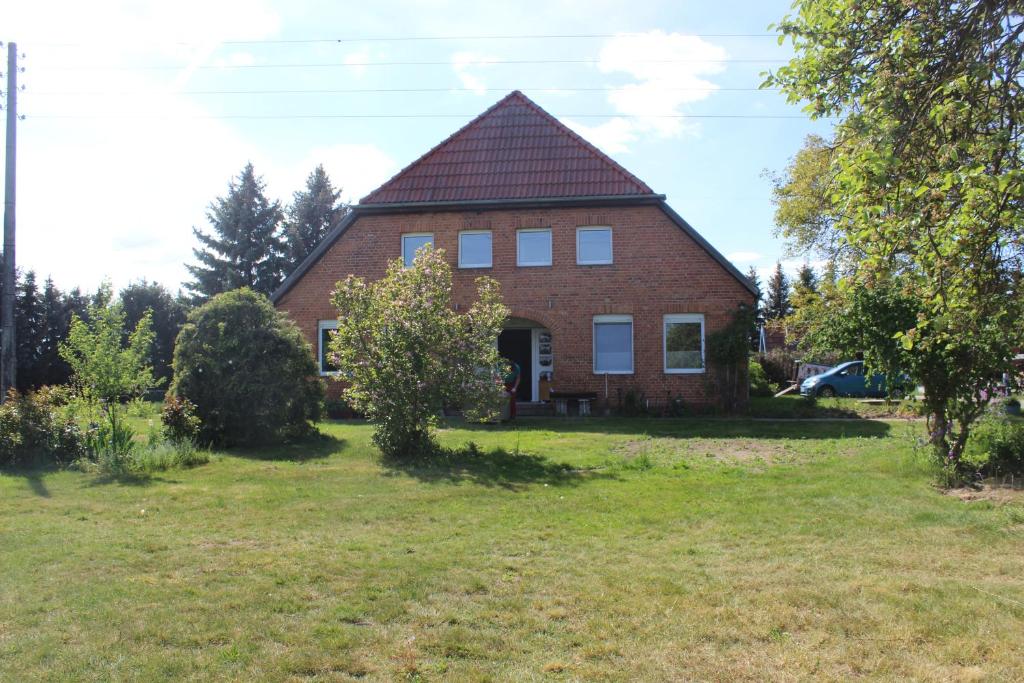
x=493, y=204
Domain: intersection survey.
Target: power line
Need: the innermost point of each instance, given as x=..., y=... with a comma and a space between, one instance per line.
x=406, y=39
x=313, y=65
x=385, y=90
x=408, y=116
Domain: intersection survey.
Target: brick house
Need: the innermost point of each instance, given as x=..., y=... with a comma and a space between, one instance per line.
x=609, y=288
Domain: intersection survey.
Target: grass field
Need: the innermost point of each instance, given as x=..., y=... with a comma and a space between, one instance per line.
x=559, y=550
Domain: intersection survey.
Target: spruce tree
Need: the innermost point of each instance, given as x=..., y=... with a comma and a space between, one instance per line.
x=313, y=213
x=755, y=331
x=246, y=248
x=30, y=329
x=777, y=301
x=806, y=279
x=57, y=322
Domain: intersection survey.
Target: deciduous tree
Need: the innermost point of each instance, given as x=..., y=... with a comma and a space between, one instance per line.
x=926, y=165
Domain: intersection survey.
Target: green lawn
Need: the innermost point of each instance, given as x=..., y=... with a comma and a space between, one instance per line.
x=584, y=550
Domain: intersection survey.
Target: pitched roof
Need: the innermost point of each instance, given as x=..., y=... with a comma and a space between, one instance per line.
x=514, y=150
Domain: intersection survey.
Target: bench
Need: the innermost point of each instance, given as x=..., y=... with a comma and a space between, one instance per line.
x=583, y=400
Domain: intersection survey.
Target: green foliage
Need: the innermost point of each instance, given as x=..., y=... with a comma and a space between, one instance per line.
x=759, y=385
x=105, y=373
x=103, y=370
x=246, y=248
x=926, y=165
x=996, y=446
x=42, y=322
x=314, y=212
x=162, y=455
x=248, y=370
x=179, y=420
x=34, y=430
x=806, y=215
x=167, y=315
x=405, y=353
x=727, y=351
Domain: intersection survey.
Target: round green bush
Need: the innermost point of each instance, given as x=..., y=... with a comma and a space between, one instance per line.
x=248, y=370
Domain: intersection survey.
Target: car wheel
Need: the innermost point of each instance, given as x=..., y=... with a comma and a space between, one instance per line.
x=827, y=392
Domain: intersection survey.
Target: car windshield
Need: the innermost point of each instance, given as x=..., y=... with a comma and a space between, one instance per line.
x=851, y=368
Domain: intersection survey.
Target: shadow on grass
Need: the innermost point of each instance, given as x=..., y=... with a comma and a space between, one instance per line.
x=690, y=427
x=138, y=479
x=315, y=447
x=33, y=476
x=494, y=468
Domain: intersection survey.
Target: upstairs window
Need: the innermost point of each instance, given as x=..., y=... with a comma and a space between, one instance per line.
x=533, y=247
x=613, y=344
x=593, y=246
x=326, y=328
x=412, y=242
x=684, y=343
x=475, y=249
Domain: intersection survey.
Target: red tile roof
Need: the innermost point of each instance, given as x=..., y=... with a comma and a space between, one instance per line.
x=514, y=150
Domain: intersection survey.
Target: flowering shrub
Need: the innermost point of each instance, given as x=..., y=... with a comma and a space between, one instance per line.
x=405, y=353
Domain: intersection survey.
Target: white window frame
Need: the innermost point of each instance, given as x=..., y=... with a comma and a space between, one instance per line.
x=320, y=327
x=519, y=250
x=611, y=245
x=414, y=234
x=673, y=318
x=593, y=344
x=490, y=259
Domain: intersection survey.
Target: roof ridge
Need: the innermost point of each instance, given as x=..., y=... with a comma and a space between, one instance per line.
x=444, y=142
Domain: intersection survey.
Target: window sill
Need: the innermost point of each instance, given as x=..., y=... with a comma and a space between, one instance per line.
x=613, y=372
x=694, y=371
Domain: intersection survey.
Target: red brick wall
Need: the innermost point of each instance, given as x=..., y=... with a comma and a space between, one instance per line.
x=658, y=269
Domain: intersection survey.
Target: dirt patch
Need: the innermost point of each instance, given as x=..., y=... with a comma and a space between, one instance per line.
x=732, y=451
x=994, y=494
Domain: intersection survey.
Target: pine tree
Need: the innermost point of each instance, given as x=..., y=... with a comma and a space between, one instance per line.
x=246, y=249
x=777, y=301
x=168, y=315
x=313, y=213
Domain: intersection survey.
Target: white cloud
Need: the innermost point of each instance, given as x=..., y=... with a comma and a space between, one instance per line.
x=116, y=192
x=745, y=256
x=612, y=136
x=467, y=67
x=669, y=70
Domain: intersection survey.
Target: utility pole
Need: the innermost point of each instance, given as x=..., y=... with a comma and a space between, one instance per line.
x=8, y=369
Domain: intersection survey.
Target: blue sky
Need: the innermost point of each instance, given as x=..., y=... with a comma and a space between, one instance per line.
x=129, y=131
